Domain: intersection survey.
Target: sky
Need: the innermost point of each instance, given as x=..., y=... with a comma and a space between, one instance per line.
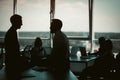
x=73, y=13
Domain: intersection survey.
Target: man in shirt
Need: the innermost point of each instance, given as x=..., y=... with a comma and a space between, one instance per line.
x=60, y=51
x=12, y=56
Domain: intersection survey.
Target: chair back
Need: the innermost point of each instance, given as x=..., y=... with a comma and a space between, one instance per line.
x=74, y=50
x=83, y=51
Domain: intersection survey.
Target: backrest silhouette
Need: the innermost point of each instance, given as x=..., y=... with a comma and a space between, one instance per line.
x=74, y=50
x=83, y=51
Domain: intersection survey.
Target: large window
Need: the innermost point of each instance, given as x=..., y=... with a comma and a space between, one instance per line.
x=106, y=16
x=73, y=13
x=36, y=17
x=75, y=16
x=6, y=10
x=106, y=21
x=35, y=14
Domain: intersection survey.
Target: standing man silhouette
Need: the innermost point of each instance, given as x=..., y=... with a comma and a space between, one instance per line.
x=12, y=56
x=60, y=52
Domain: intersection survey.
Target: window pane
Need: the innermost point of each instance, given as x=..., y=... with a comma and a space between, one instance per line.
x=36, y=17
x=75, y=16
x=106, y=21
x=106, y=16
x=6, y=10
x=36, y=21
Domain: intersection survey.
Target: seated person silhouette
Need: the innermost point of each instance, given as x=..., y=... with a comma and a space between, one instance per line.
x=103, y=64
x=74, y=50
x=118, y=62
x=14, y=63
x=106, y=60
x=101, y=50
x=117, y=66
x=37, y=52
x=59, y=58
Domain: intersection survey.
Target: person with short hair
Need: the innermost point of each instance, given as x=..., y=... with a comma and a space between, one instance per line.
x=37, y=52
x=60, y=53
x=12, y=47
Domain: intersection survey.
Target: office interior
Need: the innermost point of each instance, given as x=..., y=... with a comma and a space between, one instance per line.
x=83, y=19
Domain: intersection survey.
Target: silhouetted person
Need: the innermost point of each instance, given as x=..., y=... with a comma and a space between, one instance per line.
x=102, y=46
x=103, y=64
x=37, y=52
x=59, y=57
x=117, y=66
x=13, y=60
x=118, y=62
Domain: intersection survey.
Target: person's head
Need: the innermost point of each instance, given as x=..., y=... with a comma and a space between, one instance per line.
x=56, y=25
x=16, y=21
x=109, y=45
x=38, y=42
x=101, y=40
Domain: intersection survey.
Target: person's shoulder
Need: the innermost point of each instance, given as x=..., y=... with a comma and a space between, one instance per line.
x=58, y=32
x=11, y=31
x=61, y=33
x=8, y=32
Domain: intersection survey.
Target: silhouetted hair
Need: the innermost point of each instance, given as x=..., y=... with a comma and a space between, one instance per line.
x=15, y=19
x=38, y=42
x=58, y=23
x=109, y=44
x=101, y=40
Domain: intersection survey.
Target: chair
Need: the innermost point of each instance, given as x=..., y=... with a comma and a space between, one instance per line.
x=83, y=51
x=1, y=54
x=1, y=61
x=27, y=52
x=74, y=50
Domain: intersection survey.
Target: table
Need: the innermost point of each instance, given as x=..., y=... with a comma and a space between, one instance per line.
x=84, y=59
x=31, y=74
x=46, y=75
